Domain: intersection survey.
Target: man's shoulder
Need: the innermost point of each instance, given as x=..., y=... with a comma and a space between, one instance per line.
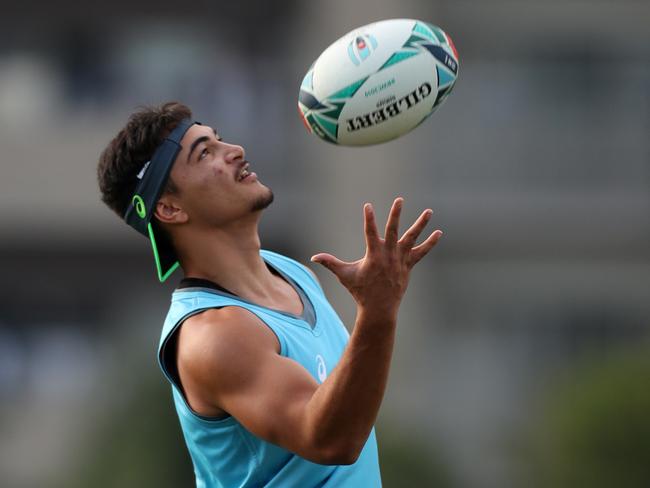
x=215, y=330
x=231, y=322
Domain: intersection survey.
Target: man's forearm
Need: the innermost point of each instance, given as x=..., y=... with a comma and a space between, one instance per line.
x=344, y=408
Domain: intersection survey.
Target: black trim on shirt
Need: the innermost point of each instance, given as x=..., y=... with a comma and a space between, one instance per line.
x=308, y=314
x=201, y=283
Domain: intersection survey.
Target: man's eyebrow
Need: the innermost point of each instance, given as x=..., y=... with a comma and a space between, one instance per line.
x=199, y=141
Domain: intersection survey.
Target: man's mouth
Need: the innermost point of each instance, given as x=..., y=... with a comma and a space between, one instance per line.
x=243, y=172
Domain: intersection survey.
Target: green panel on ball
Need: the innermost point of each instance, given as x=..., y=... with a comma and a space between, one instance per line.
x=397, y=57
x=414, y=42
x=424, y=30
x=349, y=90
x=318, y=130
x=444, y=77
x=331, y=128
x=335, y=111
x=438, y=32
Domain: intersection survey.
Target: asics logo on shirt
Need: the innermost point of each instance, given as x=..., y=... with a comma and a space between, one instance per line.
x=322, y=369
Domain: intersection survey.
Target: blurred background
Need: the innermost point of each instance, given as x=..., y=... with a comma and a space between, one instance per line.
x=523, y=353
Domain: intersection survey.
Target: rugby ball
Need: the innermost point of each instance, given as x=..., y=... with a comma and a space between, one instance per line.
x=378, y=82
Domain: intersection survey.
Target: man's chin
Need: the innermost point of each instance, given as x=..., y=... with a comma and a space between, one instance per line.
x=263, y=201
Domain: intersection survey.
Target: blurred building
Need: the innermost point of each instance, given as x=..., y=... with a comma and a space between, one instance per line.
x=537, y=168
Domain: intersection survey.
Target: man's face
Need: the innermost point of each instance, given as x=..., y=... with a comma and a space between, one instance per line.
x=215, y=183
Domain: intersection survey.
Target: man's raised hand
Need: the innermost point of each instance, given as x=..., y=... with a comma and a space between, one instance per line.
x=377, y=281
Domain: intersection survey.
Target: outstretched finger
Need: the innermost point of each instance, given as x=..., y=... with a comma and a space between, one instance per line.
x=418, y=252
x=392, y=224
x=370, y=227
x=411, y=235
x=334, y=264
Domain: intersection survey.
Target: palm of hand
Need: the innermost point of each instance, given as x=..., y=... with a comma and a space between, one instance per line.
x=380, y=278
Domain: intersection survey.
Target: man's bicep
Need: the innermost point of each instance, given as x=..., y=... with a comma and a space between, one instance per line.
x=271, y=400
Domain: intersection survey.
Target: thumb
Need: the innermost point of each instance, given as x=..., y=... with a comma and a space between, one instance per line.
x=330, y=262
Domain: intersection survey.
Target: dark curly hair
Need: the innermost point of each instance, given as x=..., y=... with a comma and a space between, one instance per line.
x=131, y=148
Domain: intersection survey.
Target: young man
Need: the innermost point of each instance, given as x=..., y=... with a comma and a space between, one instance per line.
x=269, y=387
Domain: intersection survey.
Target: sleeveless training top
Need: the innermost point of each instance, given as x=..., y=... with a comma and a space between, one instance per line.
x=224, y=453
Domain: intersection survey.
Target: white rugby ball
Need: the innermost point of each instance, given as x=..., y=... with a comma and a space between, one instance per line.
x=378, y=82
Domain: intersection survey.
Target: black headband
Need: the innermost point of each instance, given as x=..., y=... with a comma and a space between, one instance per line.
x=152, y=180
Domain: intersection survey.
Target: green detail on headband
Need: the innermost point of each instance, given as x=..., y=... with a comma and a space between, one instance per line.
x=139, y=205
x=162, y=277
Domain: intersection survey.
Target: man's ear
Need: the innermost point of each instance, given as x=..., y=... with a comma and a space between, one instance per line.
x=169, y=212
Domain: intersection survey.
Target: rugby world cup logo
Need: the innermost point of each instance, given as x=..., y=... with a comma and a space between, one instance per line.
x=361, y=47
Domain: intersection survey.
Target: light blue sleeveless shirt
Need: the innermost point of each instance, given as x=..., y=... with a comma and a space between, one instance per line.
x=224, y=453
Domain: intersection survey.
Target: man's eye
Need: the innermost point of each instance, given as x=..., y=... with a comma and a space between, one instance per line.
x=203, y=154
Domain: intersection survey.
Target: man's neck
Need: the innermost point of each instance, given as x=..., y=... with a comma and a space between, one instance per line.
x=229, y=257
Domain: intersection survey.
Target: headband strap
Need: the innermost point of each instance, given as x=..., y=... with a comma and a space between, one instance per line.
x=152, y=180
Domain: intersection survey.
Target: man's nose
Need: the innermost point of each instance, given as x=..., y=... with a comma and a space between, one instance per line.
x=235, y=153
